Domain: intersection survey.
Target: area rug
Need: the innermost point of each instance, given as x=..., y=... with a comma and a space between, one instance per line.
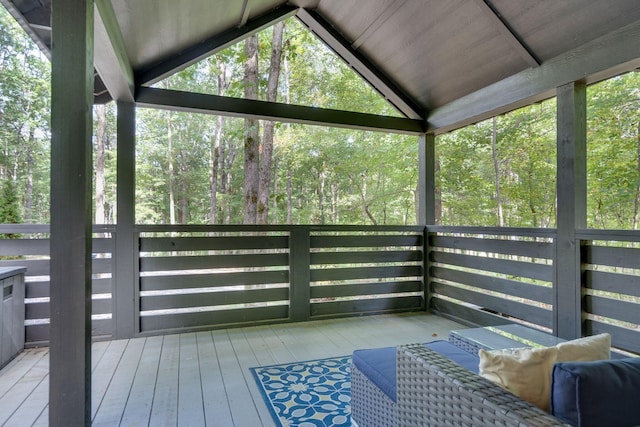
x=305, y=394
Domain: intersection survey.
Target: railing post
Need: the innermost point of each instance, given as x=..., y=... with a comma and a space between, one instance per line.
x=572, y=207
x=427, y=209
x=426, y=272
x=299, y=274
x=125, y=278
x=426, y=180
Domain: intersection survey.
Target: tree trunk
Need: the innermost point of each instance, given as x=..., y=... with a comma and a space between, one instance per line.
x=636, y=207
x=438, y=194
x=322, y=176
x=228, y=155
x=362, y=189
x=264, y=188
x=289, y=196
x=28, y=196
x=101, y=114
x=184, y=201
x=334, y=202
x=496, y=168
x=274, y=212
x=215, y=161
x=252, y=134
x=172, y=203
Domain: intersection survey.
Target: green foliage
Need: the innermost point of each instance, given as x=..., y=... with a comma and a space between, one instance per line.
x=9, y=204
x=613, y=152
x=321, y=175
x=9, y=208
x=24, y=119
x=525, y=153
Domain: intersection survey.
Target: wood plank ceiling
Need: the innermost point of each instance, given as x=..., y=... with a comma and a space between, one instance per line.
x=422, y=55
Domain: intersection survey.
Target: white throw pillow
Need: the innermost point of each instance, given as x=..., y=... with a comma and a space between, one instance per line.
x=587, y=349
x=525, y=372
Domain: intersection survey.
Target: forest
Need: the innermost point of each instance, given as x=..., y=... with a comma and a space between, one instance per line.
x=203, y=169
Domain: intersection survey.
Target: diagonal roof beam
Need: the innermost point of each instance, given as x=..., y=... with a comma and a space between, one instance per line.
x=206, y=48
x=507, y=32
x=372, y=74
x=237, y=107
x=111, y=59
x=26, y=26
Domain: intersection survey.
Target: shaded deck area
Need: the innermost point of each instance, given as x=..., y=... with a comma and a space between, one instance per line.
x=200, y=378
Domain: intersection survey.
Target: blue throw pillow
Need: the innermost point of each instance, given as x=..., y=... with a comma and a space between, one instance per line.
x=597, y=394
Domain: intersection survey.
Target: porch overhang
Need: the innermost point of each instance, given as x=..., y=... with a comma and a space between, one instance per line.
x=441, y=64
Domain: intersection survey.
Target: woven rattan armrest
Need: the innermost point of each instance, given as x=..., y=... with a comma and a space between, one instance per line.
x=433, y=391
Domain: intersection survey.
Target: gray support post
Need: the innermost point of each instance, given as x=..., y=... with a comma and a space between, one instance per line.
x=426, y=200
x=71, y=213
x=572, y=207
x=427, y=176
x=300, y=274
x=125, y=279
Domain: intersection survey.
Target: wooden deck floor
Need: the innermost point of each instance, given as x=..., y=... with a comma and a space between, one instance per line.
x=202, y=378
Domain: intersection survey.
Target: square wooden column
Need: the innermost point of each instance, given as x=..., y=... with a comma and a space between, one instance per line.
x=572, y=207
x=71, y=212
x=126, y=246
x=426, y=180
x=426, y=202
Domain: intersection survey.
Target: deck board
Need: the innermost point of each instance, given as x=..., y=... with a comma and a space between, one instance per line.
x=201, y=378
x=115, y=399
x=213, y=391
x=138, y=407
x=190, y=403
x=164, y=410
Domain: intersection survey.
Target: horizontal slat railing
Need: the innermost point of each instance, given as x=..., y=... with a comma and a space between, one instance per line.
x=31, y=250
x=491, y=276
x=611, y=285
x=372, y=270
x=203, y=279
x=195, y=277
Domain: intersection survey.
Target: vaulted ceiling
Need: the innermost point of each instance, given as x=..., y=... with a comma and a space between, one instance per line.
x=443, y=62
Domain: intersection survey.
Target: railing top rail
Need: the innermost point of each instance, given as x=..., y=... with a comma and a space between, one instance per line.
x=620, y=235
x=506, y=231
x=46, y=228
x=24, y=228
x=264, y=228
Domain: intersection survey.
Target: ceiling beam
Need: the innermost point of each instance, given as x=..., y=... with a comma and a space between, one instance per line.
x=236, y=107
x=206, y=48
x=372, y=74
x=503, y=27
x=110, y=57
x=605, y=57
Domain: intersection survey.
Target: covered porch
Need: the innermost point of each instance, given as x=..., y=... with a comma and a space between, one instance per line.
x=143, y=292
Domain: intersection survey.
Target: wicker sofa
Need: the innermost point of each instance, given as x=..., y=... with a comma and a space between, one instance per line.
x=432, y=390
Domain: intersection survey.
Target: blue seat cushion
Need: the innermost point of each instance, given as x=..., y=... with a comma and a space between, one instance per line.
x=597, y=394
x=379, y=364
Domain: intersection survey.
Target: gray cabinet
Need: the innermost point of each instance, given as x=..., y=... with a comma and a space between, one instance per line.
x=11, y=313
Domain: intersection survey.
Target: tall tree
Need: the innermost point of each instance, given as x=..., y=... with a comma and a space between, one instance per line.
x=252, y=134
x=496, y=169
x=636, y=202
x=223, y=85
x=101, y=116
x=264, y=189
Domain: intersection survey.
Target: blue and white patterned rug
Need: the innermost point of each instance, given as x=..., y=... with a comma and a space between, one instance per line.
x=308, y=394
